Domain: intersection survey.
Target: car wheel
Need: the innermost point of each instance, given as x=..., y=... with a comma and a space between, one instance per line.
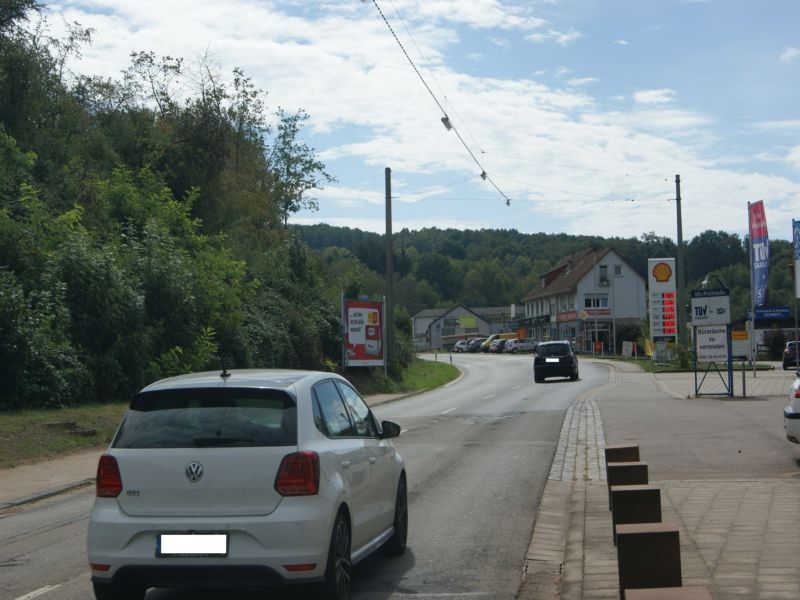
x=109, y=591
x=397, y=543
x=574, y=376
x=339, y=568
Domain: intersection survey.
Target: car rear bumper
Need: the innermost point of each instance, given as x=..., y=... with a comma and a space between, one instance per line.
x=200, y=576
x=259, y=547
x=545, y=370
x=791, y=424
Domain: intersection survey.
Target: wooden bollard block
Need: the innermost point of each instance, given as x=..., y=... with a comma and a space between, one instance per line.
x=634, y=504
x=648, y=556
x=694, y=592
x=625, y=473
x=623, y=452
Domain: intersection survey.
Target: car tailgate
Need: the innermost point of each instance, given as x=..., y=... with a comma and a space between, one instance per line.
x=228, y=482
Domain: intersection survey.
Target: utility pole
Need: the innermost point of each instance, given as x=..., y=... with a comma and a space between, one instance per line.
x=389, y=350
x=680, y=313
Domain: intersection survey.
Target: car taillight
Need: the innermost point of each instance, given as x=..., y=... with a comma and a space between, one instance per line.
x=797, y=393
x=298, y=475
x=109, y=482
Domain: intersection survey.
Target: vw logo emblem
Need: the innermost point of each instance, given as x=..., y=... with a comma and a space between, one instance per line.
x=194, y=472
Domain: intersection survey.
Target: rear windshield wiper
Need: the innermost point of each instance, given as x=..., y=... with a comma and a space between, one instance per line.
x=220, y=440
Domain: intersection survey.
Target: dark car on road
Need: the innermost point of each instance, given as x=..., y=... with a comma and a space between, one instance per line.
x=554, y=359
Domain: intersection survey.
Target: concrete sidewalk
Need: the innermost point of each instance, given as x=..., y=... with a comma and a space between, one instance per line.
x=32, y=482
x=728, y=478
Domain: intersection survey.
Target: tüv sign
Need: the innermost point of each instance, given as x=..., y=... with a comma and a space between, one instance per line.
x=711, y=307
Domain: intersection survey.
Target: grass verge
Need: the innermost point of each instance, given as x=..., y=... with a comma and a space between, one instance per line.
x=32, y=435
x=420, y=375
x=28, y=436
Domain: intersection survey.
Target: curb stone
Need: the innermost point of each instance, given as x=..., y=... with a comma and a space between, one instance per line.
x=47, y=494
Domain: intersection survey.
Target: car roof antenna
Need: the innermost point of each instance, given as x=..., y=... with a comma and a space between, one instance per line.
x=225, y=373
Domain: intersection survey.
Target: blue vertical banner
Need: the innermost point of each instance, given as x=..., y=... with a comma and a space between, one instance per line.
x=796, y=238
x=759, y=251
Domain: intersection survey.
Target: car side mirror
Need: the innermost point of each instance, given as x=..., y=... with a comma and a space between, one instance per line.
x=389, y=429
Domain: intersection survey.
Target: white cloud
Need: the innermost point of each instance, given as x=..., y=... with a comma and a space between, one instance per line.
x=621, y=42
x=659, y=96
x=478, y=14
x=789, y=55
x=582, y=81
x=787, y=126
x=793, y=158
x=561, y=38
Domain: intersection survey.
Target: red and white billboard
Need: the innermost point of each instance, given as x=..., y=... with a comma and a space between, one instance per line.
x=363, y=333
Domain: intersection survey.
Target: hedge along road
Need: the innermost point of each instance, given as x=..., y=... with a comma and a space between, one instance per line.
x=477, y=452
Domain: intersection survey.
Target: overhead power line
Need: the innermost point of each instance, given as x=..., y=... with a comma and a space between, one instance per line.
x=445, y=119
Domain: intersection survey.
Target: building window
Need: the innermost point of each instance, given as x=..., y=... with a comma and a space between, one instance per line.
x=595, y=301
x=618, y=270
x=603, y=277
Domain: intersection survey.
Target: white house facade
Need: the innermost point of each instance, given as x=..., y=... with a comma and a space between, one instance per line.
x=585, y=298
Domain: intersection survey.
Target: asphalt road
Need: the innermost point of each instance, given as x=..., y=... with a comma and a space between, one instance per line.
x=477, y=451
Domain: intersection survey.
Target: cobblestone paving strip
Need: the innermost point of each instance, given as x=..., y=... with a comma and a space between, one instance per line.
x=553, y=560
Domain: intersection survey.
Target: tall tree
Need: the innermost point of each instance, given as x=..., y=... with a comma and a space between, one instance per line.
x=296, y=166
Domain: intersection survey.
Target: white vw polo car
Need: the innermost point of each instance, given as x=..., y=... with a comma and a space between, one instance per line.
x=245, y=478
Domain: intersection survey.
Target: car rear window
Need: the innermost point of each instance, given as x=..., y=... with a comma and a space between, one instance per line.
x=553, y=350
x=200, y=418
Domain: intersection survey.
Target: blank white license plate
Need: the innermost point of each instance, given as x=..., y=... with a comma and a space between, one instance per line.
x=192, y=544
x=550, y=360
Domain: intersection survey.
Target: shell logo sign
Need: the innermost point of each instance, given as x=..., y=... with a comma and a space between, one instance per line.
x=663, y=305
x=662, y=272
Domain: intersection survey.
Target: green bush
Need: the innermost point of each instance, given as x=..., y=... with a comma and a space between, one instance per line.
x=38, y=365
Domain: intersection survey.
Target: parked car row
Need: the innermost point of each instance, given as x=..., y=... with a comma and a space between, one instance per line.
x=496, y=346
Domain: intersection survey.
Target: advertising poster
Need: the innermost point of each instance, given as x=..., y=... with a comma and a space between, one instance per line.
x=712, y=344
x=796, y=238
x=363, y=333
x=759, y=251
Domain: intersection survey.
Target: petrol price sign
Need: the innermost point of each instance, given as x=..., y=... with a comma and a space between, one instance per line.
x=662, y=299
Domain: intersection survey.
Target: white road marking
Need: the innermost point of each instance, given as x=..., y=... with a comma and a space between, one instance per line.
x=516, y=388
x=39, y=592
x=449, y=410
x=445, y=595
x=489, y=397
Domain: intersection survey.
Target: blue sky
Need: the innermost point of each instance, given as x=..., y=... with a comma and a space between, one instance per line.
x=581, y=112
